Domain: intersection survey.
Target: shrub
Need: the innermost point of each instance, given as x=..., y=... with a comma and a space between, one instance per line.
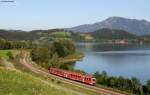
x=10, y=55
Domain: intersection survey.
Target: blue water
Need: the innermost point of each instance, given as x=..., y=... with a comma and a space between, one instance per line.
x=127, y=61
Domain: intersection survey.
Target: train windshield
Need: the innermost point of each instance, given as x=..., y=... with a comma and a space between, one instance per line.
x=94, y=79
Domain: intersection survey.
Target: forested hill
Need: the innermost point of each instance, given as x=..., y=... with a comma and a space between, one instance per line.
x=50, y=35
x=134, y=26
x=18, y=35
x=112, y=34
x=24, y=35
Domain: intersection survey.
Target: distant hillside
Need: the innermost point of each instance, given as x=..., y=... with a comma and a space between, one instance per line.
x=24, y=35
x=112, y=34
x=17, y=35
x=40, y=36
x=138, y=27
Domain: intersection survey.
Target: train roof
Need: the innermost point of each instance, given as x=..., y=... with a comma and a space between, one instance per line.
x=88, y=75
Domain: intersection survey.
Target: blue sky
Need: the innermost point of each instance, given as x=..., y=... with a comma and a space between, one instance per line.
x=47, y=14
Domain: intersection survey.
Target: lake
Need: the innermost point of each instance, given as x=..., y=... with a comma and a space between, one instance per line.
x=117, y=60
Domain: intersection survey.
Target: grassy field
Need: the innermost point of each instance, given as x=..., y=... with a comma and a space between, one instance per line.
x=61, y=34
x=69, y=87
x=19, y=83
x=3, y=53
x=22, y=81
x=72, y=57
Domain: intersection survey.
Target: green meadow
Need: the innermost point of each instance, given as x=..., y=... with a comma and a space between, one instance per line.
x=3, y=53
x=14, y=82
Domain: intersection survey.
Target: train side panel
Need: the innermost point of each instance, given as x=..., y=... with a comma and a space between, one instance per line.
x=72, y=75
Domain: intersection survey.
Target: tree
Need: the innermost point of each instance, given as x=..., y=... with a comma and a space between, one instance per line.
x=7, y=44
x=132, y=85
x=64, y=66
x=112, y=81
x=49, y=54
x=136, y=85
x=148, y=86
x=10, y=55
x=54, y=61
x=104, y=78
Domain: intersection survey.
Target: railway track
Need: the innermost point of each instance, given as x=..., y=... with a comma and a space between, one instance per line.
x=34, y=69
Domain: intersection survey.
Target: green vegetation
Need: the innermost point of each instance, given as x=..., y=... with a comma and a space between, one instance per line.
x=61, y=34
x=112, y=34
x=132, y=85
x=83, y=37
x=31, y=35
x=18, y=35
x=52, y=54
x=4, y=53
x=101, y=35
x=51, y=80
x=7, y=44
x=10, y=55
x=1, y=63
x=19, y=83
x=59, y=51
x=78, y=55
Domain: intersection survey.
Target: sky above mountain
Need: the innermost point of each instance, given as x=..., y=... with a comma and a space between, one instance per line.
x=47, y=14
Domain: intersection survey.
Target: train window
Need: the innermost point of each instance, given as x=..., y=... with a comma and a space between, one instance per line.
x=94, y=79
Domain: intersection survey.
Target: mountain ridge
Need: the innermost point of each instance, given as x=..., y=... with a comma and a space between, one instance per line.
x=138, y=27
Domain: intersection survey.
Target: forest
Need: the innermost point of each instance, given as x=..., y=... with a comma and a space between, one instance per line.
x=132, y=85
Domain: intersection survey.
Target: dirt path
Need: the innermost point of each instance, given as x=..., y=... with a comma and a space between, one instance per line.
x=103, y=91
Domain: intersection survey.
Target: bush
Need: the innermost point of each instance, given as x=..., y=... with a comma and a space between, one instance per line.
x=52, y=80
x=49, y=54
x=58, y=82
x=64, y=67
x=10, y=55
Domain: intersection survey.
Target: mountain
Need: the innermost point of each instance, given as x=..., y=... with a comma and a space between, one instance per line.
x=134, y=26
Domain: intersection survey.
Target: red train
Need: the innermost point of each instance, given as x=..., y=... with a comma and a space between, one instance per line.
x=87, y=79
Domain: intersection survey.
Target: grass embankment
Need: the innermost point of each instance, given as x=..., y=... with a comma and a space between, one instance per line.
x=14, y=82
x=25, y=82
x=4, y=57
x=72, y=57
x=3, y=53
x=69, y=87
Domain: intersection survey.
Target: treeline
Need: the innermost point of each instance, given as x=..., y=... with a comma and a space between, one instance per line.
x=76, y=36
x=112, y=34
x=49, y=54
x=103, y=35
x=26, y=35
x=7, y=44
x=18, y=35
x=132, y=85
